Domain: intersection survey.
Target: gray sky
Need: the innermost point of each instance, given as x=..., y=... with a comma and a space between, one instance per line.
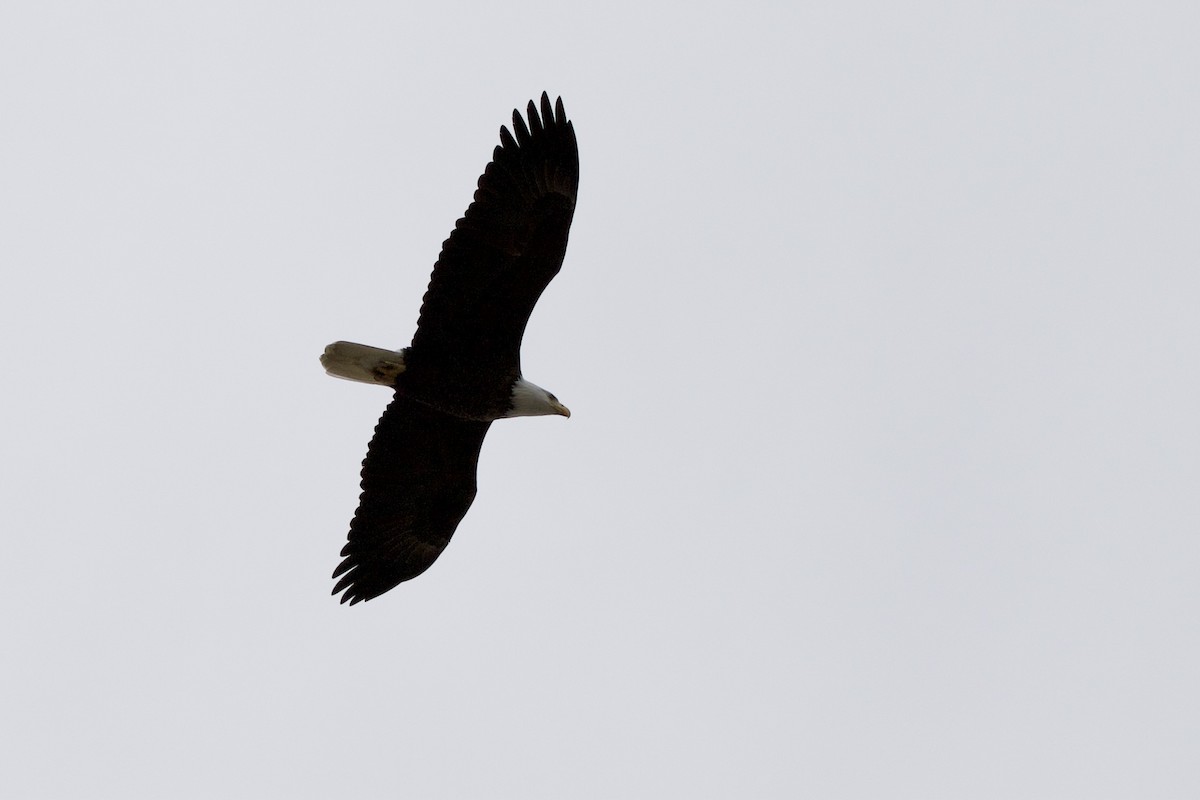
x=879, y=327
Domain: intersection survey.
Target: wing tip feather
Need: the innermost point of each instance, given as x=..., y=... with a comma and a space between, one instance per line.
x=540, y=117
x=507, y=141
x=520, y=129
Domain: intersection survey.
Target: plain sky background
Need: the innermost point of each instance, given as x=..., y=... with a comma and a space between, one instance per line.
x=880, y=324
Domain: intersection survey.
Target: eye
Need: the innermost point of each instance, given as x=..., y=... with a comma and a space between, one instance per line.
x=552, y=397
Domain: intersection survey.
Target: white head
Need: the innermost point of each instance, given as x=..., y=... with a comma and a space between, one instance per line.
x=531, y=400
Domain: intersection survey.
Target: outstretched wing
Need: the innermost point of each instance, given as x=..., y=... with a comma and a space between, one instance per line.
x=505, y=251
x=418, y=480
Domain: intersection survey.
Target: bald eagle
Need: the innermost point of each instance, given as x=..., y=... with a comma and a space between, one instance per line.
x=463, y=368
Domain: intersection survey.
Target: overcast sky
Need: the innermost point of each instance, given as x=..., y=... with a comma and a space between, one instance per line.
x=880, y=327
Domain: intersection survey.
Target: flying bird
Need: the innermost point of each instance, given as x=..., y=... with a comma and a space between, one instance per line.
x=463, y=368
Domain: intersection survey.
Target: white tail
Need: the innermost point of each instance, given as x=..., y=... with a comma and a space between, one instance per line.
x=363, y=363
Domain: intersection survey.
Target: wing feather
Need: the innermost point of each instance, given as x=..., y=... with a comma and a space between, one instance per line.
x=504, y=251
x=418, y=480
